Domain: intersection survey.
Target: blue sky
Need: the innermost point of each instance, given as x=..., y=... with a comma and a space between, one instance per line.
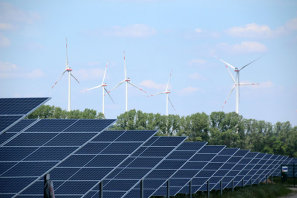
x=158, y=36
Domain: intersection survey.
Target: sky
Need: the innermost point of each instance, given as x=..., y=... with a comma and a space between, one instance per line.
x=159, y=37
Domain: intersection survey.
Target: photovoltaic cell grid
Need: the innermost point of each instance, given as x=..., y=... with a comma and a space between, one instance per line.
x=268, y=167
x=31, y=153
x=80, y=172
x=168, y=168
x=126, y=177
x=211, y=169
x=13, y=110
x=181, y=178
x=226, y=169
x=243, y=163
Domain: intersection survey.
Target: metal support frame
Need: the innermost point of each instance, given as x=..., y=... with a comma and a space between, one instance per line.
x=101, y=189
x=141, y=189
x=190, y=188
x=207, y=186
x=266, y=179
x=168, y=189
x=232, y=185
x=242, y=182
x=221, y=188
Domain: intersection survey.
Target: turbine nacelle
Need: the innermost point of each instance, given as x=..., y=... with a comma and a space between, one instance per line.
x=68, y=69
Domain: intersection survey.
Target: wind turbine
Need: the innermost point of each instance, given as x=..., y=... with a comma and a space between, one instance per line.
x=127, y=81
x=103, y=86
x=236, y=80
x=69, y=70
x=167, y=92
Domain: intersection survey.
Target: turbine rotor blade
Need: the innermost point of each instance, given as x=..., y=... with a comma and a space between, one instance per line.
x=228, y=96
x=171, y=104
x=117, y=85
x=94, y=88
x=227, y=64
x=125, y=66
x=107, y=92
x=247, y=84
x=169, y=80
x=59, y=79
x=158, y=93
x=228, y=69
x=104, y=75
x=74, y=78
x=137, y=87
x=249, y=63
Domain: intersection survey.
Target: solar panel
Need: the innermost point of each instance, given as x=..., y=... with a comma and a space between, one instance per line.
x=166, y=169
x=77, y=174
x=138, y=166
x=12, y=110
x=252, y=166
x=30, y=154
x=234, y=161
x=211, y=169
x=188, y=171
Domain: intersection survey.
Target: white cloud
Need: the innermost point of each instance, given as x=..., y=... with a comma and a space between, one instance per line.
x=6, y=26
x=188, y=90
x=7, y=67
x=89, y=74
x=196, y=76
x=251, y=30
x=135, y=31
x=198, y=30
x=4, y=41
x=243, y=47
x=11, y=14
x=152, y=85
x=291, y=25
x=197, y=62
x=10, y=70
x=254, y=30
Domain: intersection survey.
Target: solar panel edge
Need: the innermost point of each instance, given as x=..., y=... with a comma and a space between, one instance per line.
x=154, y=167
x=203, y=166
x=155, y=132
x=229, y=156
x=230, y=169
x=205, y=143
x=21, y=191
x=19, y=133
x=26, y=114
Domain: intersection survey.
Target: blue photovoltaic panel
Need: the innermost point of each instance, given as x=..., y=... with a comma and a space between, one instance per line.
x=89, y=125
x=21, y=125
x=136, y=168
x=12, y=106
x=227, y=168
x=193, y=166
x=87, y=169
x=13, y=109
x=165, y=170
x=211, y=169
x=31, y=154
x=268, y=166
x=6, y=121
x=51, y=125
x=264, y=163
x=246, y=170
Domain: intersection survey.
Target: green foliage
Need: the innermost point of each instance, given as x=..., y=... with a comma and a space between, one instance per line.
x=218, y=128
x=256, y=191
x=52, y=112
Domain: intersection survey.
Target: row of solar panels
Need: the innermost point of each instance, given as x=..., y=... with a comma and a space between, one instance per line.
x=79, y=154
x=79, y=159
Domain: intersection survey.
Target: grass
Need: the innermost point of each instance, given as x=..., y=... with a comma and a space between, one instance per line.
x=255, y=191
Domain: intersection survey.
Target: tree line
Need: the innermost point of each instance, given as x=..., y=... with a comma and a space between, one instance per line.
x=218, y=128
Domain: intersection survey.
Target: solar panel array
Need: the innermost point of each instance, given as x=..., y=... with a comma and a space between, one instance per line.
x=13, y=110
x=85, y=159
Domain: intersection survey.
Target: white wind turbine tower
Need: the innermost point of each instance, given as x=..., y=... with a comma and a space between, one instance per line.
x=103, y=86
x=127, y=81
x=236, y=80
x=167, y=92
x=69, y=70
